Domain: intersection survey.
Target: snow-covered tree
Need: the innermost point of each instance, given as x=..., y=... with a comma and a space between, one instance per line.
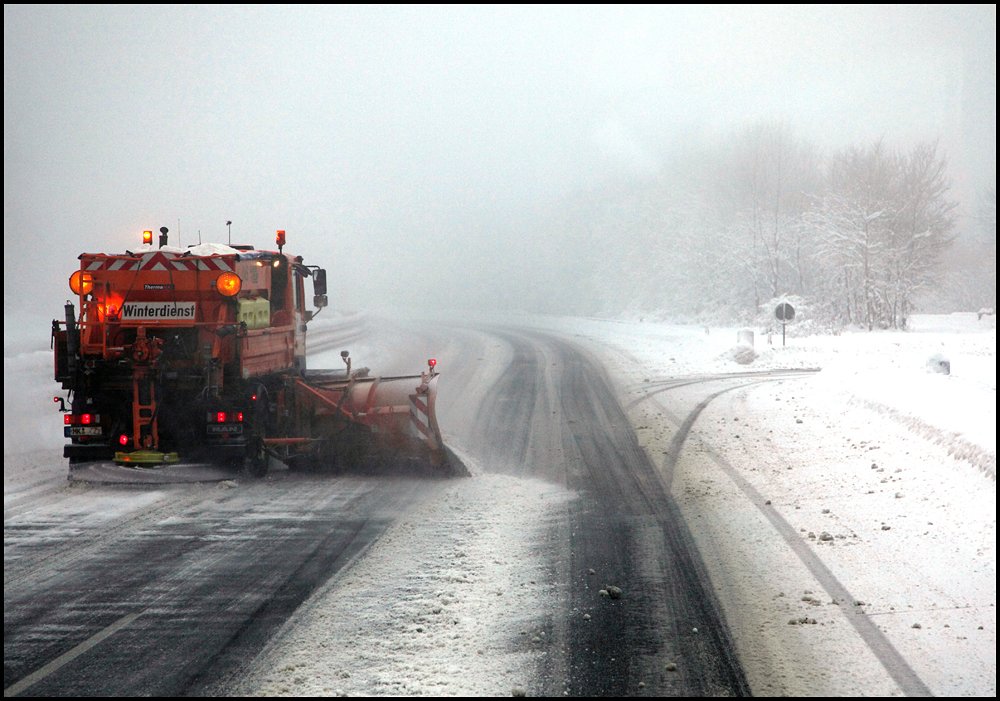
x=773, y=172
x=880, y=228
x=921, y=230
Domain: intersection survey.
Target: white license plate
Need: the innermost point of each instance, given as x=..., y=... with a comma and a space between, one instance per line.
x=85, y=431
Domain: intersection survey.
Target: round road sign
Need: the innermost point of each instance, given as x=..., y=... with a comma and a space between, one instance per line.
x=784, y=312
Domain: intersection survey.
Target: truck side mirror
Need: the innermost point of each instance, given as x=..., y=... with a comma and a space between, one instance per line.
x=319, y=283
x=319, y=301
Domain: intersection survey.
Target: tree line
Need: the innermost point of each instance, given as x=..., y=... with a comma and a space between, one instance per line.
x=859, y=236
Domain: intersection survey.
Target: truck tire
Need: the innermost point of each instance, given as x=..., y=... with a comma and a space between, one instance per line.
x=255, y=462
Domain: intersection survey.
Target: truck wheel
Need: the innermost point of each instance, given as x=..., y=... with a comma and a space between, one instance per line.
x=255, y=462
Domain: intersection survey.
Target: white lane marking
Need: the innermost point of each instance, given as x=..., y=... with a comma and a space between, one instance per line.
x=69, y=656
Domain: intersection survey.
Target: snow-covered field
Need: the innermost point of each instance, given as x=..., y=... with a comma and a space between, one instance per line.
x=867, y=487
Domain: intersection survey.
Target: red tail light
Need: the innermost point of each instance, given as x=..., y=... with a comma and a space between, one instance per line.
x=123, y=440
x=221, y=417
x=81, y=419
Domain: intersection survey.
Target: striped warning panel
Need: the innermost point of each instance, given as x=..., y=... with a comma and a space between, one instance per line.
x=158, y=260
x=420, y=419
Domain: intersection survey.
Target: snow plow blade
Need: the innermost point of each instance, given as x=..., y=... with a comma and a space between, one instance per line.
x=372, y=423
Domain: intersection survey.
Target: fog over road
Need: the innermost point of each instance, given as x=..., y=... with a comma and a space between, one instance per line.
x=174, y=590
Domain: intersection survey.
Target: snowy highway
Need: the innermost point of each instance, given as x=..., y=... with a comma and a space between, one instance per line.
x=615, y=537
x=181, y=588
x=500, y=351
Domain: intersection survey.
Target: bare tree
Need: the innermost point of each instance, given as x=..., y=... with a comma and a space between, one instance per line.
x=721, y=229
x=921, y=230
x=773, y=172
x=881, y=226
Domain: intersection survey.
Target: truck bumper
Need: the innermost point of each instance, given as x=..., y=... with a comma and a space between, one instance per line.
x=78, y=452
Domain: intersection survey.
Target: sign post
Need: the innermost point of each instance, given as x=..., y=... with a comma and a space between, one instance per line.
x=784, y=313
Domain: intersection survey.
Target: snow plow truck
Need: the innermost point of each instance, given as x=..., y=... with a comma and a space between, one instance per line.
x=199, y=355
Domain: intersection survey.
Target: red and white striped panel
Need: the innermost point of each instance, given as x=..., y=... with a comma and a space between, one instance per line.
x=159, y=261
x=420, y=419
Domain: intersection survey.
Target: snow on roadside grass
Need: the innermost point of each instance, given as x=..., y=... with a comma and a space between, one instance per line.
x=449, y=602
x=885, y=371
x=909, y=531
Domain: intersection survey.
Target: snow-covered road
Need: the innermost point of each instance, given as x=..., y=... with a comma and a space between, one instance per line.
x=845, y=520
x=559, y=567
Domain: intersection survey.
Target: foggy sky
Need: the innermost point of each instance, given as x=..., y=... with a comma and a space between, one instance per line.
x=400, y=147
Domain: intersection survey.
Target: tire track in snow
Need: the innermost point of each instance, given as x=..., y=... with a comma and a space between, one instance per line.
x=894, y=663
